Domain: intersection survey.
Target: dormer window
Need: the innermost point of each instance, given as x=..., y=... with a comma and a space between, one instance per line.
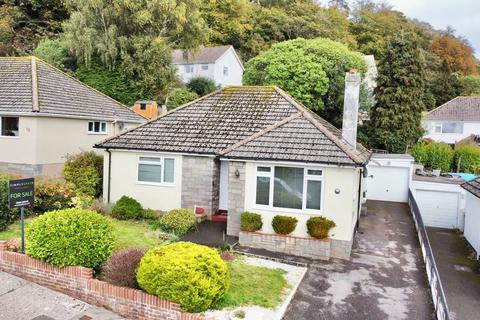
x=97, y=127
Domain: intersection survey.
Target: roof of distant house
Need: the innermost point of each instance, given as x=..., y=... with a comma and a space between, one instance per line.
x=256, y=123
x=473, y=186
x=30, y=86
x=457, y=109
x=202, y=55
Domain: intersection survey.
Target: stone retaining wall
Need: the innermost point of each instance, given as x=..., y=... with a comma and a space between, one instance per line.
x=79, y=283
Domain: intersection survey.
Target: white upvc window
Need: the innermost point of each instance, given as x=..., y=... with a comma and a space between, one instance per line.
x=289, y=188
x=156, y=170
x=437, y=127
x=205, y=67
x=189, y=68
x=97, y=127
x=452, y=127
x=9, y=126
x=225, y=71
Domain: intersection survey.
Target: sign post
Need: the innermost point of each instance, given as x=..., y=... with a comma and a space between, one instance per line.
x=20, y=194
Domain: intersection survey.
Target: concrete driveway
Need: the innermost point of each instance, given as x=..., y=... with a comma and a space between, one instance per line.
x=24, y=300
x=385, y=278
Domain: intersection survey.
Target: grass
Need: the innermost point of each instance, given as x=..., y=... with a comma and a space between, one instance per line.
x=128, y=233
x=253, y=285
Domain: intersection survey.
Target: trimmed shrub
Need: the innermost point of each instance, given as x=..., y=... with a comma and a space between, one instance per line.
x=7, y=215
x=250, y=221
x=284, y=224
x=84, y=171
x=127, y=208
x=189, y=274
x=150, y=214
x=51, y=195
x=70, y=237
x=433, y=155
x=121, y=266
x=178, y=221
x=467, y=159
x=318, y=227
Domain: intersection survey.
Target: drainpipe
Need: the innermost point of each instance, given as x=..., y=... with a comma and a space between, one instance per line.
x=109, y=174
x=359, y=198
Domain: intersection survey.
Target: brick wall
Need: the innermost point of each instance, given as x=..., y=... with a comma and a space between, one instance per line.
x=298, y=246
x=78, y=282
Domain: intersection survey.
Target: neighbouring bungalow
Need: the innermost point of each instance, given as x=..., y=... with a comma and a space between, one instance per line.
x=248, y=148
x=45, y=115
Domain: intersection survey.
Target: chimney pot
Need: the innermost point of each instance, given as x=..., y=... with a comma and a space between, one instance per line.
x=350, y=107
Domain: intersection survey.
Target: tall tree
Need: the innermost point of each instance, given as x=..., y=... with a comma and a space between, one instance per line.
x=457, y=52
x=446, y=85
x=395, y=120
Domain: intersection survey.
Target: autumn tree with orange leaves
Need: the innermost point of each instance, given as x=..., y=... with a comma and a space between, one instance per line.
x=457, y=52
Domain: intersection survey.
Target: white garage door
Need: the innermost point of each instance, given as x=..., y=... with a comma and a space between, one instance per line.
x=388, y=183
x=438, y=208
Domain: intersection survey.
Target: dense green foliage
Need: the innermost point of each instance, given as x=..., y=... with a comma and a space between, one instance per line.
x=127, y=208
x=178, y=221
x=84, y=171
x=51, y=195
x=121, y=266
x=470, y=85
x=70, y=237
x=250, y=221
x=312, y=71
x=284, y=224
x=467, y=159
x=179, y=97
x=318, y=227
x=7, y=216
x=395, y=120
x=52, y=51
x=186, y=273
x=433, y=155
x=201, y=86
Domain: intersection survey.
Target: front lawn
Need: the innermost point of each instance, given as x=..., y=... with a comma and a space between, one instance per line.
x=253, y=285
x=128, y=233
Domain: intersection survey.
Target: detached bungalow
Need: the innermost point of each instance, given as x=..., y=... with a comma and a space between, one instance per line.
x=45, y=114
x=247, y=148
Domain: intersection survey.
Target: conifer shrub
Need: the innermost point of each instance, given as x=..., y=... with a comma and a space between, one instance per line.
x=70, y=237
x=318, y=227
x=178, y=221
x=250, y=221
x=189, y=274
x=121, y=266
x=127, y=208
x=284, y=224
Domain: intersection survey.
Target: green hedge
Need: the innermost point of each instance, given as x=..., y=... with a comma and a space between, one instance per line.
x=318, y=227
x=127, y=208
x=7, y=216
x=433, y=155
x=178, y=221
x=284, y=224
x=189, y=274
x=467, y=159
x=70, y=237
x=250, y=221
x=85, y=172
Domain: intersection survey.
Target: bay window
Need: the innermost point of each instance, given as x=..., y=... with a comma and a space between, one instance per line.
x=156, y=170
x=289, y=187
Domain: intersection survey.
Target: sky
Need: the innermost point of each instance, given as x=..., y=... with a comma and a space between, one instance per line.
x=462, y=15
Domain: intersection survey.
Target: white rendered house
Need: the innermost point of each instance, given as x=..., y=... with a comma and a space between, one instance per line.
x=220, y=64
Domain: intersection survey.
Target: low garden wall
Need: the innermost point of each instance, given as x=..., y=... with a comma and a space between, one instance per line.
x=79, y=283
x=298, y=246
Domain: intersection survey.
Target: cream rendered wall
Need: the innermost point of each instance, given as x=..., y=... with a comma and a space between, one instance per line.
x=341, y=208
x=197, y=71
x=124, y=181
x=57, y=137
x=21, y=149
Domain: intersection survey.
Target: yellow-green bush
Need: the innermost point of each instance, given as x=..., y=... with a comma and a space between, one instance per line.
x=84, y=171
x=467, y=159
x=250, y=221
x=51, y=195
x=178, y=221
x=433, y=155
x=189, y=274
x=70, y=237
x=318, y=227
x=127, y=208
x=284, y=224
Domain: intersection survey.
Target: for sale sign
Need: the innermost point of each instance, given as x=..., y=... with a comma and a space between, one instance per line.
x=21, y=192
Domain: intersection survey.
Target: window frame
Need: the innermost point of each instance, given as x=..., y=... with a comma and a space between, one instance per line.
x=1, y=129
x=100, y=127
x=161, y=163
x=456, y=123
x=205, y=67
x=189, y=68
x=306, y=177
x=225, y=71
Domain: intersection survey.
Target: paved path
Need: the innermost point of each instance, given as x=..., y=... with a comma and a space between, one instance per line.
x=384, y=280
x=459, y=272
x=24, y=300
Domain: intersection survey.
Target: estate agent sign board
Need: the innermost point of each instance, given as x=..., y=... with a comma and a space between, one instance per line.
x=20, y=194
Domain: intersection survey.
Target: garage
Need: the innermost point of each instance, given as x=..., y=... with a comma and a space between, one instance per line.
x=389, y=177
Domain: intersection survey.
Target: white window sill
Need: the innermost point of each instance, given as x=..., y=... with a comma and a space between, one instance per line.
x=9, y=137
x=156, y=184
x=98, y=133
x=287, y=210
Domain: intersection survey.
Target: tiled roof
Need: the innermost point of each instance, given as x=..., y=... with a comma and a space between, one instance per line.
x=473, y=186
x=459, y=109
x=58, y=93
x=243, y=122
x=204, y=55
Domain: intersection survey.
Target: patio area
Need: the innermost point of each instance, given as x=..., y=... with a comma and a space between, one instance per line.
x=210, y=233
